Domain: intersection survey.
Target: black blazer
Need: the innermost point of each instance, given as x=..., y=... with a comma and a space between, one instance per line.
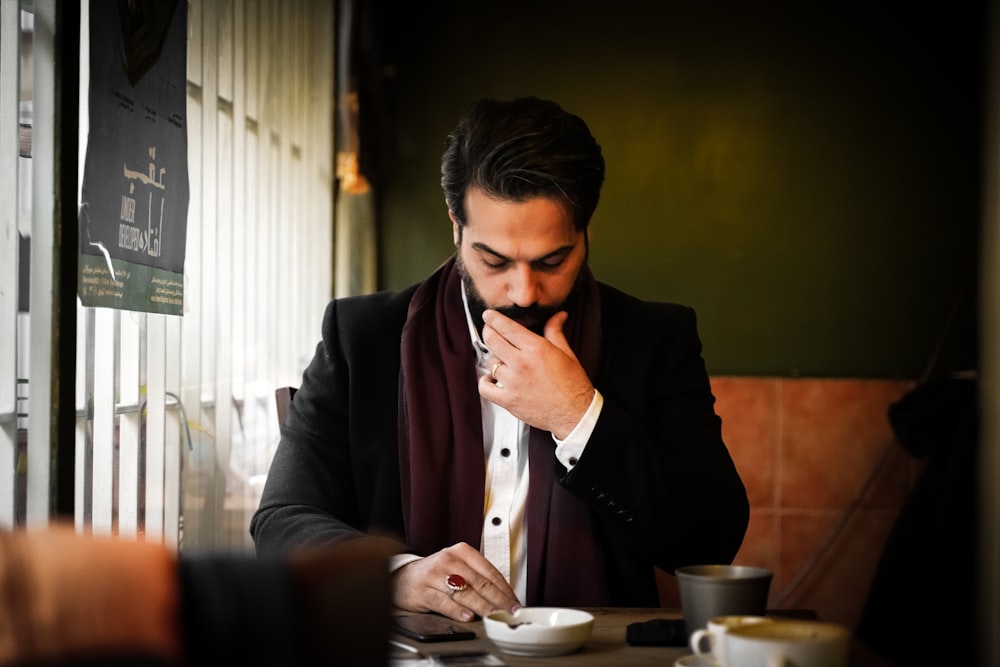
x=662, y=485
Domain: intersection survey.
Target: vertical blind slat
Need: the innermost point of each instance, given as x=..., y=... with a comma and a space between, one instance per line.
x=223, y=291
x=194, y=491
x=10, y=83
x=84, y=328
x=172, y=440
x=84, y=321
x=244, y=414
x=128, y=426
x=209, y=265
x=102, y=468
x=225, y=49
x=155, y=425
x=43, y=159
x=250, y=54
x=209, y=205
x=224, y=267
x=195, y=31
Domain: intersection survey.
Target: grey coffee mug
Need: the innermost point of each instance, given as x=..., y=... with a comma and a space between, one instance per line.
x=721, y=590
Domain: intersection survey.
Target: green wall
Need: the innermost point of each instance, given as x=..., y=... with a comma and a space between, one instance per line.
x=807, y=179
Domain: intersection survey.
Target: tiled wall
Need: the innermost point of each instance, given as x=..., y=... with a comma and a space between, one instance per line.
x=826, y=479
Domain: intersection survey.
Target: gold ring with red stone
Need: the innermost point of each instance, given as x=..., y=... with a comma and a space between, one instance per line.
x=456, y=583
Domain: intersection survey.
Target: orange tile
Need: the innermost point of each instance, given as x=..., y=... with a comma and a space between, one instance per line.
x=837, y=583
x=749, y=411
x=810, y=450
x=761, y=546
x=832, y=434
x=891, y=481
x=802, y=535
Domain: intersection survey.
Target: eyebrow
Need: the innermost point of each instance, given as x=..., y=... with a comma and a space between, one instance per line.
x=562, y=250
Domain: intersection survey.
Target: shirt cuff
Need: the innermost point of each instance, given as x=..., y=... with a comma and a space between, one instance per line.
x=399, y=560
x=570, y=450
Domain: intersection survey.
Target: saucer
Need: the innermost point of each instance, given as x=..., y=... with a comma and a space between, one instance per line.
x=695, y=660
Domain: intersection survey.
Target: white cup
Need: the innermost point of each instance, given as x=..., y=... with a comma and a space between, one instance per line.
x=708, y=641
x=787, y=643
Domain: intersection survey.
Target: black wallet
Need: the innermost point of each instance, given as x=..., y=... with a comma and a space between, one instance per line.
x=657, y=632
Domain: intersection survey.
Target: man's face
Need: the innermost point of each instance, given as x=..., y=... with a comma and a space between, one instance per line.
x=519, y=258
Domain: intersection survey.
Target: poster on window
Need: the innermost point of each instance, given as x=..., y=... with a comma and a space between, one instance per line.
x=134, y=201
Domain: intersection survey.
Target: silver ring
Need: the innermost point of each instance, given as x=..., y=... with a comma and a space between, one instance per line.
x=493, y=371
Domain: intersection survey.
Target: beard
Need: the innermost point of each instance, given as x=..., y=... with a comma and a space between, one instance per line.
x=533, y=317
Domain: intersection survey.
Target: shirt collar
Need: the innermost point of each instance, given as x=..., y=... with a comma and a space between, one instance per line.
x=477, y=344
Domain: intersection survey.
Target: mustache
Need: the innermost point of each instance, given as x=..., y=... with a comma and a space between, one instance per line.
x=532, y=313
x=534, y=317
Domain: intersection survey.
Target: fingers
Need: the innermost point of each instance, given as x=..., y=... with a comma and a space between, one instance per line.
x=510, y=330
x=554, y=332
x=540, y=380
x=505, y=337
x=423, y=585
x=511, y=343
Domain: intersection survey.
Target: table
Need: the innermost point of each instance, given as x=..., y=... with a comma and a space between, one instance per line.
x=606, y=645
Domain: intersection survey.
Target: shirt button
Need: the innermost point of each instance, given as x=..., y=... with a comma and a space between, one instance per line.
x=572, y=460
x=504, y=452
x=496, y=521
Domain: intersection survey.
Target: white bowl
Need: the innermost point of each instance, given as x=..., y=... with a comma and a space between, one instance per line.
x=539, y=631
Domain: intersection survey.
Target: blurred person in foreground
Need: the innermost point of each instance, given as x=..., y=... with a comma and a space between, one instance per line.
x=70, y=598
x=526, y=434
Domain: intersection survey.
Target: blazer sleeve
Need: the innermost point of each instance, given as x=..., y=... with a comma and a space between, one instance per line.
x=335, y=473
x=656, y=470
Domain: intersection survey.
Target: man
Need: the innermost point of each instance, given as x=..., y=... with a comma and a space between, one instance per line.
x=529, y=435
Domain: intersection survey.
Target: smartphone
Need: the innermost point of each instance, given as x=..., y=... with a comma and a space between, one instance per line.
x=430, y=628
x=470, y=659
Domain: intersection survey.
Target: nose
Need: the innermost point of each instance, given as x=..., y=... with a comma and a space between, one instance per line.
x=524, y=288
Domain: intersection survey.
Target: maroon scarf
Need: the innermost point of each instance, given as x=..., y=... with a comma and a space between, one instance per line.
x=442, y=462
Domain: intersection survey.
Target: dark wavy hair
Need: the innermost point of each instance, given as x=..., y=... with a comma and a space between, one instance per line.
x=521, y=149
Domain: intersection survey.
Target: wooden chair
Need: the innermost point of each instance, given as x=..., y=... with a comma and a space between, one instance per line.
x=283, y=398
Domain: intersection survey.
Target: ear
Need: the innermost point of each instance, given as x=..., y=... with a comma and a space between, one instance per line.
x=456, y=232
